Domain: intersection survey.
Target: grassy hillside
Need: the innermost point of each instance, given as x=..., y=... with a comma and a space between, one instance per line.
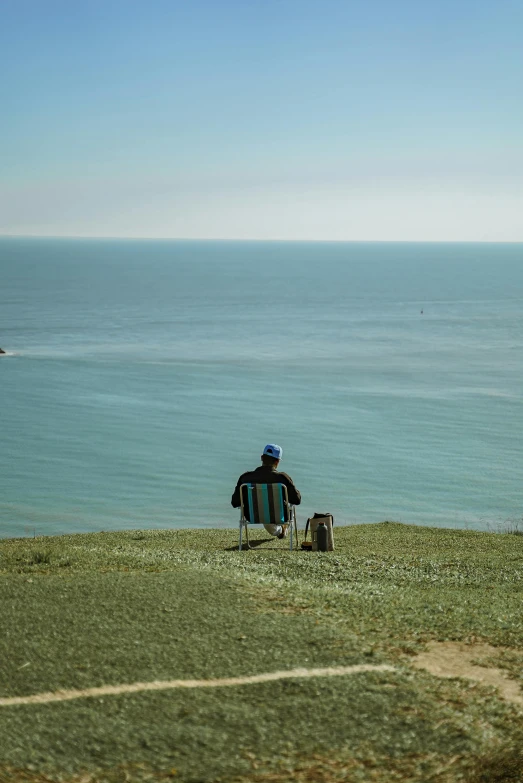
x=82, y=611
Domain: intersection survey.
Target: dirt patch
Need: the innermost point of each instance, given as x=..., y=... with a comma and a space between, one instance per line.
x=456, y=659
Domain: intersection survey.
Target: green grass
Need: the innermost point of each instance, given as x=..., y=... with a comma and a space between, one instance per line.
x=109, y=608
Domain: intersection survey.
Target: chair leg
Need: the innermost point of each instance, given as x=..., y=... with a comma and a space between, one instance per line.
x=244, y=524
x=294, y=530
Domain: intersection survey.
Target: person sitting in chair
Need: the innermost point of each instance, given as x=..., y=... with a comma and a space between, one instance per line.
x=267, y=473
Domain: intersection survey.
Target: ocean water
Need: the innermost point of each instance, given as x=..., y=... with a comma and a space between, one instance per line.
x=143, y=377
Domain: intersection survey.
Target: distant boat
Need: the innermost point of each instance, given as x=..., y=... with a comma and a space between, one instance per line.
x=2, y=350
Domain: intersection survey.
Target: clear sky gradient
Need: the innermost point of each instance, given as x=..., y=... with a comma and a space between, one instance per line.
x=262, y=119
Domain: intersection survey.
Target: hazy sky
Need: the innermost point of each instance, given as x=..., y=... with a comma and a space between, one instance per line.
x=272, y=119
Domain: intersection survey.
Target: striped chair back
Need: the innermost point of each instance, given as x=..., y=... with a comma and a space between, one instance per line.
x=266, y=503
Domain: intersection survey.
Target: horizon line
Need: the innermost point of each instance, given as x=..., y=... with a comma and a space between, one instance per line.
x=272, y=239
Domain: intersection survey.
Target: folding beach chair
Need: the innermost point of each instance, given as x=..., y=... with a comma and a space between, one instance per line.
x=268, y=504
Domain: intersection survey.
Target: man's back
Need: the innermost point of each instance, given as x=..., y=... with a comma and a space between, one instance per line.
x=266, y=474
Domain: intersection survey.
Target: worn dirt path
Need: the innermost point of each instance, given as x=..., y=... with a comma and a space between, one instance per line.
x=160, y=685
x=443, y=659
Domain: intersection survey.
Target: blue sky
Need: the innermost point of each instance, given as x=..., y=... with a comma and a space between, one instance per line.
x=270, y=119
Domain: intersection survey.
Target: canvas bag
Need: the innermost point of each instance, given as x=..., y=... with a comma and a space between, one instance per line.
x=313, y=523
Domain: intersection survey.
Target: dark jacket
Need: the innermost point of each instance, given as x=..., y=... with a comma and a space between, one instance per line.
x=265, y=475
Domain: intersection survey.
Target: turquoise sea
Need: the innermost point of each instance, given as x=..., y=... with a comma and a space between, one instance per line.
x=143, y=377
